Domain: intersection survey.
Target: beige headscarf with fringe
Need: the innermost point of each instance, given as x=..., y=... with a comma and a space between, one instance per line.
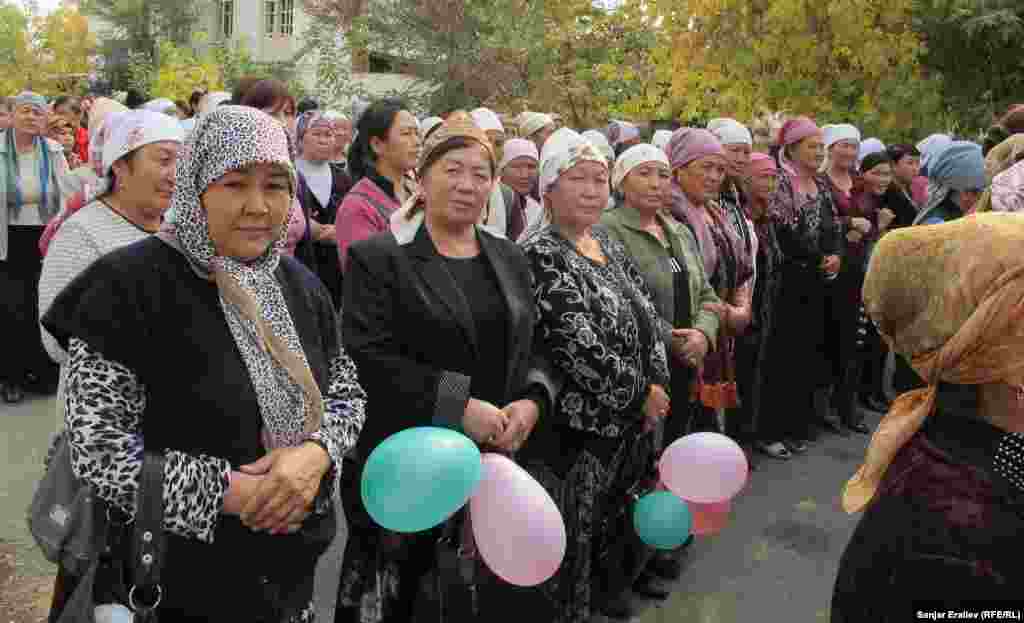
x=950, y=298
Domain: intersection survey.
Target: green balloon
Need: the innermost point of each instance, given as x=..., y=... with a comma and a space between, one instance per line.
x=662, y=520
x=419, y=477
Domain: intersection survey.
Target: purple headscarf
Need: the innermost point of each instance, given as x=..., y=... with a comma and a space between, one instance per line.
x=685, y=146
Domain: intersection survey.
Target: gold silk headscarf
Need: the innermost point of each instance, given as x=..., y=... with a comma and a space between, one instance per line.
x=950, y=298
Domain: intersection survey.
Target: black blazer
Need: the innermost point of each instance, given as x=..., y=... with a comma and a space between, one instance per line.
x=408, y=326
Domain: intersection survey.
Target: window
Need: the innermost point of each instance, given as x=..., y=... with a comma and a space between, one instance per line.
x=227, y=18
x=279, y=17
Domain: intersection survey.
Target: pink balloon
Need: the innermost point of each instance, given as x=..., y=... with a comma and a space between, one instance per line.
x=708, y=519
x=704, y=467
x=518, y=529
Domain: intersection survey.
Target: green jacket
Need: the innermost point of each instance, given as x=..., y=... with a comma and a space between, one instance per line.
x=652, y=257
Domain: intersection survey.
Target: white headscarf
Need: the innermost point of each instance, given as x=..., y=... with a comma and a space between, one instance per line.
x=161, y=105
x=634, y=157
x=123, y=133
x=564, y=150
x=517, y=148
x=835, y=132
x=600, y=141
x=661, y=139
x=730, y=132
x=532, y=122
x=867, y=147
x=429, y=124
x=485, y=119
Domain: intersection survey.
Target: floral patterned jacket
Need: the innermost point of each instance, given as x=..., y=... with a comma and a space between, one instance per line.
x=598, y=326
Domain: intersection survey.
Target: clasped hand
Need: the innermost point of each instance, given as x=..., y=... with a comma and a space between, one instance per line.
x=276, y=493
x=506, y=429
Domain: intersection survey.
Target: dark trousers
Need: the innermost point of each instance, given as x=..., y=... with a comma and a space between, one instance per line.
x=19, y=311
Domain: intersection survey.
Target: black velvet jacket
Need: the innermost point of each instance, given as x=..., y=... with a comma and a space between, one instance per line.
x=946, y=524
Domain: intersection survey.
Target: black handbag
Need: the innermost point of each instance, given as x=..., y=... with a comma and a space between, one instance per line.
x=125, y=576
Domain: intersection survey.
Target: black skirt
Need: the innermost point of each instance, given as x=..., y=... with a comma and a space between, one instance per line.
x=19, y=311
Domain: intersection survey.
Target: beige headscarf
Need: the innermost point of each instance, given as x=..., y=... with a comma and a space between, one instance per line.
x=950, y=298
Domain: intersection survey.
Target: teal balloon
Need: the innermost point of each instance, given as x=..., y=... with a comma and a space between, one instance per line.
x=662, y=520
x=419, y=477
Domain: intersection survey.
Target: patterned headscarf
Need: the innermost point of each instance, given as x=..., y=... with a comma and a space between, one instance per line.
x=601, y=142
x=1004, y=155
x=307, y=121
x=227, y=139
x=564, y=150
x=1007, y=191
x=932, y=147
x=948, y=298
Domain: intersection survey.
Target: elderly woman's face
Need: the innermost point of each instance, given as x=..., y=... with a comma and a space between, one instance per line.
x=29, y=119
x=701, y=179
x=458, y=185
x=877, y=180
x=644, y=186
x=738, y=155
x=318, y=142
x=520, y=174
x=810, y=152
x=843, y=154
x=145, y=177
x=580, y=195
x=246, y=209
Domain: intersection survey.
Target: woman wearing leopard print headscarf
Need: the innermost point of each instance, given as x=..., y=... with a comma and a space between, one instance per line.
x=262, y=403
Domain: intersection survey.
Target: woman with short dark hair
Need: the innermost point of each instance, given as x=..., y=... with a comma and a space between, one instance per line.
x=384, y=151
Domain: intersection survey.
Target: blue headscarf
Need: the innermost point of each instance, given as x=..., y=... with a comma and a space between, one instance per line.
x=932, y=147
x=960, y=166
x=13, y=170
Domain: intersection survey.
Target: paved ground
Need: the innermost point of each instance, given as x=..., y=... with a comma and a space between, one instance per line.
x=775, y=561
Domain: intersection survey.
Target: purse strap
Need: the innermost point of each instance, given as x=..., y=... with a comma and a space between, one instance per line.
x=148, y=540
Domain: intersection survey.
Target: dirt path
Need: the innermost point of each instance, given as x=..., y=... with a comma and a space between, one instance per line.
x=23, y=599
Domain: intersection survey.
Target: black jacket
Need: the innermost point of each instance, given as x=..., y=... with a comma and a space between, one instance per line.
x=409, y=329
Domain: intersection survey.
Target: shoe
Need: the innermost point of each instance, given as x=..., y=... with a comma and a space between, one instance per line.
x=665, y=566
x=648, y=585
x=12, y=394
x=775, y=449
x=796, y=446
x=858, y=427
x=619, y=607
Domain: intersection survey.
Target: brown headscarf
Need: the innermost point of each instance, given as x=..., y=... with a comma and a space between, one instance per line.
x=950, y=298
x=458, y=125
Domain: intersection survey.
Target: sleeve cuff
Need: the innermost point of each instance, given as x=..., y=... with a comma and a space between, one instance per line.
x=452, y=396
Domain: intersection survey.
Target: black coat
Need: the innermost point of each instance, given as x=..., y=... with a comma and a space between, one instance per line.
x=410, y=331
x=322, y=257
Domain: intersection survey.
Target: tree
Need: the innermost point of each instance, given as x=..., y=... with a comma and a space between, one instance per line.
x=600, y=63
x=67, y=50
x=840, y=60
x=14, y=48
x=973, y=49
x=138, y=28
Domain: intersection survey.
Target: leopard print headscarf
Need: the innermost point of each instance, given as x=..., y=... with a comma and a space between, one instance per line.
x=227, y=139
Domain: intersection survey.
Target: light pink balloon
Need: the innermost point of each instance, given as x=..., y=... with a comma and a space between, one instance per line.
x=518, y=529
x=709, y=519
x=704, y=467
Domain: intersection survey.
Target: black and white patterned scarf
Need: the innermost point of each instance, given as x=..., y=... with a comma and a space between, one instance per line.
x=227, y=139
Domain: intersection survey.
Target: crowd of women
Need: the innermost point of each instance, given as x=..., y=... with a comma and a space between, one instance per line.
x=312, y=284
